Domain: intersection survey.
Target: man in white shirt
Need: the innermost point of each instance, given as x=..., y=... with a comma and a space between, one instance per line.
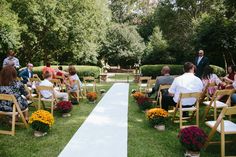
x=48, y=94
x=186, y=83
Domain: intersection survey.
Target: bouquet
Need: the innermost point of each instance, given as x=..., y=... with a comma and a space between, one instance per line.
x=144, y=103
x=64, y=106
x=41, y=120
x=157, y=116
x=91, y=96
x=192, y=138
x=137, y=95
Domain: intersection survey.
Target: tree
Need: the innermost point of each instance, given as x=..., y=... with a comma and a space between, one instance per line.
x=157, y=49
x=10, y=29
x=123, y=45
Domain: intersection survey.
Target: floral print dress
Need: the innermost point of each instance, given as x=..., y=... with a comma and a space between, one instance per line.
x=17, y=89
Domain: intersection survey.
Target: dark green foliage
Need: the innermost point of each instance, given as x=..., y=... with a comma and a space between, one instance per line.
x=39, y=126
x=155, y=70
x=123, y=45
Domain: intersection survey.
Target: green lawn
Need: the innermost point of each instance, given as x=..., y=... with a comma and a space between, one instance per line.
x=145, y=141
x=24, y=144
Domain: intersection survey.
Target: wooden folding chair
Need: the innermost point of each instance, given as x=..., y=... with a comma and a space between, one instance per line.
x=194, y=109
x=143, y=83
x=57, y=84
x=52, y=100
x=159, y=93
x=89, y=82
x=78, y=93
x=16, y=110
x=150, y=85
x=224, y=127
x=216, y=104
x=19, y=78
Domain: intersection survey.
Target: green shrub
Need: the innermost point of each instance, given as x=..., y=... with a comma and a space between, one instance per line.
x=81, y=70
x=155, y=70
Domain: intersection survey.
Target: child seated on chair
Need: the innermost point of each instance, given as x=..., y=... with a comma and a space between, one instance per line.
x=48, y=94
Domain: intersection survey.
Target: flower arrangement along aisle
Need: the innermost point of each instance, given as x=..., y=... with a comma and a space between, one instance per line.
x=137, y=95
x=157, y=117
x=91, y=96
x=193, y=139
x=41, y=121
x=144, y=103
x=64, y=107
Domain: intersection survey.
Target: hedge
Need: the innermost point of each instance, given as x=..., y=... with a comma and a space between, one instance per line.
x=155, y=70
x=81, y=70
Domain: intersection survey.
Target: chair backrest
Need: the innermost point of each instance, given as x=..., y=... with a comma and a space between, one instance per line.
x=56, y=82
x=144, y=79
x=195, y=95
x=45, y=88
x=19, y=79
x=166, y=86
x=151, y=83
x=88, y=79
x=34, y=79
x=221, y=93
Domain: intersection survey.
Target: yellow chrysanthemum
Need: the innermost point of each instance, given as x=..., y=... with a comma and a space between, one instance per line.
x=42, y=116
x=156, y=112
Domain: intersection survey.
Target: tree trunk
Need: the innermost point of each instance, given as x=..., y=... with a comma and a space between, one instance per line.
x=225, y=61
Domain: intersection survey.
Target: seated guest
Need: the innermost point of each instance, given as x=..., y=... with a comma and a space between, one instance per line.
x=233, y=97
x=73, y=78
x=48, y=94
x=186, y=83
x=162, y=80
x=27, y=73
x=209, y=77
x=49, y=69
x=230, y=74
x=9, y=85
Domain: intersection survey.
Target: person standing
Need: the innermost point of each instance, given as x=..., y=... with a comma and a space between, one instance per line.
x=11, y=60
x=200, y=61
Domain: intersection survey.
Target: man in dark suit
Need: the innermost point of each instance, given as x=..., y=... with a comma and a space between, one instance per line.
x=201, y=61
x=27, y=73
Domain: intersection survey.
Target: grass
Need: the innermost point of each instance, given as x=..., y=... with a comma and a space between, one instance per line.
x=24, y=144
x=122, y=77
x=145, y=141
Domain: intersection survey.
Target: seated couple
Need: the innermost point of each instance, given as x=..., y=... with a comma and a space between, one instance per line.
x=186, y=83
x=48, y=94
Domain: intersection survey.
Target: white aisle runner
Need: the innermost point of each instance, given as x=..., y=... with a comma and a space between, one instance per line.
x=104, y=132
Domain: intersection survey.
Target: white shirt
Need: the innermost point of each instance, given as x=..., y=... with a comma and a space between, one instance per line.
x=199, y=59
x=11, y=61
x=76, y=77
x=46, y=93
x=186, y=83
x=234, y=84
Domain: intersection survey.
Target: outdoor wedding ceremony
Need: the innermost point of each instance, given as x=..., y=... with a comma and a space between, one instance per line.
x=117, y=78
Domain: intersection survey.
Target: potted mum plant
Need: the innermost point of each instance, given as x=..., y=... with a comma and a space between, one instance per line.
x=157, y=117
x=41, y=121
x=91, y=96
x=144, y=103
x=137, y=95
x=64, y=107
x=193, y=139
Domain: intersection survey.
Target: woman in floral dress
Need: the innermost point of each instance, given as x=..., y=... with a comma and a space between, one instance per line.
x=9, y=85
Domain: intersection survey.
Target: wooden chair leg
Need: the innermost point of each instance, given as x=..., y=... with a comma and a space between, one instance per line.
x=180, y=119
x=215, y=113
x=206, y=113
x=174, y=114
x=222, y=140
x=52, y=107
x=13, y=122
x=197, y=117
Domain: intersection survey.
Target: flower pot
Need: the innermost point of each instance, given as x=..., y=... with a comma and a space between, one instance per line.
x=39, y=133
x=64, y=115
x=160, y=127
x=92, y=102
x=189, y=153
